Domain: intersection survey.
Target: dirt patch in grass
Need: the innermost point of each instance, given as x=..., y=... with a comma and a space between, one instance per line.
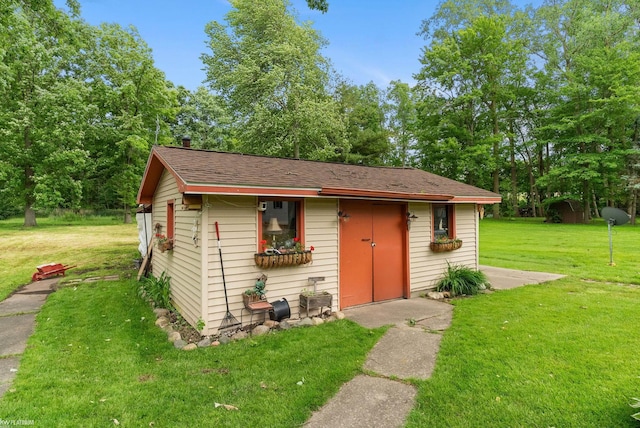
x=81, y=271
x=146, y=378
x=187, y=332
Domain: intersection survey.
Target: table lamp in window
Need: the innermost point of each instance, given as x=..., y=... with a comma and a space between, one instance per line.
x=274, y=229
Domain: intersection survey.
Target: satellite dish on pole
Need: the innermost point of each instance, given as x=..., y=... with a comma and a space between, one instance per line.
x=613, y=217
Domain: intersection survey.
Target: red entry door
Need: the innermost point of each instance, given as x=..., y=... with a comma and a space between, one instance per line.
x=372, y=253
x=389, y=252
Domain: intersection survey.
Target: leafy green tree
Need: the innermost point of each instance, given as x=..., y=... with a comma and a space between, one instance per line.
x=43, y=113
x=9, y=182
x=268, y=70
x=632, y=177
x=454, y=15
x=449, y=139
x=592, y=72
x=475, y=63
x=133, y=103
x=203, y=118
x=321, y=5
x=363, y=109
x=526, y=153
x=401, y=117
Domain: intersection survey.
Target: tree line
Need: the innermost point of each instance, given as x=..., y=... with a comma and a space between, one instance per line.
x=533, y=103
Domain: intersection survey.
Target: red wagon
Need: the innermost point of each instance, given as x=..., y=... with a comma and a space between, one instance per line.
x=50, y=270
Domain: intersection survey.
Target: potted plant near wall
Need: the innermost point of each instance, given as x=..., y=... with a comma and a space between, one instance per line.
x=312, y=299
x=315, y=299
x=257, y=292
x=444, y=243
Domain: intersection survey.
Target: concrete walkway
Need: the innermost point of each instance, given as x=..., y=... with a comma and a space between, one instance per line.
x=17, y=321
x=408, y=350
x=504, y=279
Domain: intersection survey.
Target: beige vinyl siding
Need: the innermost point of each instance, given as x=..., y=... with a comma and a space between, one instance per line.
x=182, y=263
x=322, y=232
x=238, y=222
x=427, y=267
x=237, y=219
x=466, y=229
x=419, y=237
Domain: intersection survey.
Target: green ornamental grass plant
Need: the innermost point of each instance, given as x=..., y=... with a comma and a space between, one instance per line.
x=635, y=403
x=461, y=280
x=157, y=290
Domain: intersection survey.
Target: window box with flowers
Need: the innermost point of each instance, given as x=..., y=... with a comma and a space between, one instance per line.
x=444, y=243
x=165, y=242
x=288, y=255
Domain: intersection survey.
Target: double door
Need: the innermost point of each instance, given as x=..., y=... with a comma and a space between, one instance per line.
x=372, y=252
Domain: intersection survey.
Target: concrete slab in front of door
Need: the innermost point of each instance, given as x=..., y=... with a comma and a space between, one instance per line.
x=396, y=312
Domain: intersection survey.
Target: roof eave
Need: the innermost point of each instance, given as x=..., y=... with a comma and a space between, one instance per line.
x=477, y=199
x=219, y=189
x=152, y=174
x=225, y=189
x=381, y=194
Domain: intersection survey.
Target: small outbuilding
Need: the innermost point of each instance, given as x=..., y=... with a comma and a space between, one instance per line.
x=361, y=234
x=565, y=211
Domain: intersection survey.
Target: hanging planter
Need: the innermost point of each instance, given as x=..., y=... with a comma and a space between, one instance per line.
x=272, y=260
x=444, y=245
x=164, y=243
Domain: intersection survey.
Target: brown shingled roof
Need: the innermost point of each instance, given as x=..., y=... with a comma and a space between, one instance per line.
x=203, y=171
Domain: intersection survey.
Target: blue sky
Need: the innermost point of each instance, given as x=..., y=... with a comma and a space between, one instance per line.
x=373, y=40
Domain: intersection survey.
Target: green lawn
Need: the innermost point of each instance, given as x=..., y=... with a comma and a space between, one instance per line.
x=579, y=250
x=97, y=357
x=97, y=245
x=561, y=354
